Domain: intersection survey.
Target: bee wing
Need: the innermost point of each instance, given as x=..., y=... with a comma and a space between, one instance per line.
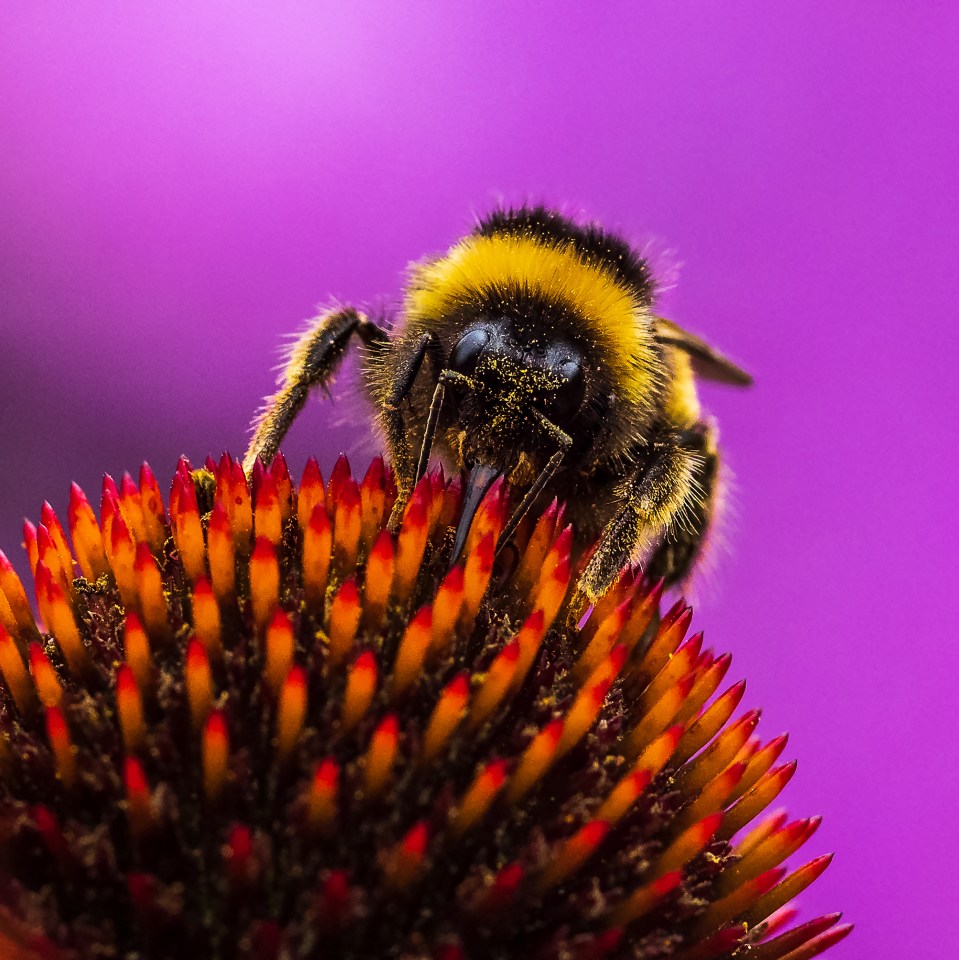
x=708, y=362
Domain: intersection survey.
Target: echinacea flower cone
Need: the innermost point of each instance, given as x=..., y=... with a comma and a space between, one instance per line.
x=260, y=725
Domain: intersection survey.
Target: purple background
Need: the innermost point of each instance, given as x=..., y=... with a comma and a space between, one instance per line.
x=181, y=187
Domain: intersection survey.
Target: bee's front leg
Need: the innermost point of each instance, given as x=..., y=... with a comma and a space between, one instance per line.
x=312, y=362
x=656, y=498
x=403, y=455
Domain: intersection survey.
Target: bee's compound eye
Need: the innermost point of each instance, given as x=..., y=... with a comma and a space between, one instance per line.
x=566, y=401
x=465, y=355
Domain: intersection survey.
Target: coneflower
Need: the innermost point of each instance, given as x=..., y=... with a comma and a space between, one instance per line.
x=260, y=725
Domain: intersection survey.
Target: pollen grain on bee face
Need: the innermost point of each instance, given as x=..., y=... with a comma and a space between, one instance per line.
x=252, y=721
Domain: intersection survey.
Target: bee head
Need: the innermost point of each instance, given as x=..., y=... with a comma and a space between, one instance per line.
x=518, y=380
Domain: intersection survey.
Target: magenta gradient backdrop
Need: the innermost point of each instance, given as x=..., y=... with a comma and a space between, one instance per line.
x=180, y=186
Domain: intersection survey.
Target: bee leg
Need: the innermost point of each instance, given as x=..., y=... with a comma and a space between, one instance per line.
x=564, y=442
x=432, y=421
x=405, y=466
x=676, y=555
x=654, y=500
x=312, y=362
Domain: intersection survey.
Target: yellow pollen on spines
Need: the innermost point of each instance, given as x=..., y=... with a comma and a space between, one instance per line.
x=718, y=773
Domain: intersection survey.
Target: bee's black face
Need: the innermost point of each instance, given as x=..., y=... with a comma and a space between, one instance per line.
x=516, y=373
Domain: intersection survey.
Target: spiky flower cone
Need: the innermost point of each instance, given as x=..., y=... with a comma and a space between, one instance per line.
x=262, y=726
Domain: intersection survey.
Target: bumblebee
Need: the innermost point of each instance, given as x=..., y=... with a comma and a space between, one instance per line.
x=532, y=350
